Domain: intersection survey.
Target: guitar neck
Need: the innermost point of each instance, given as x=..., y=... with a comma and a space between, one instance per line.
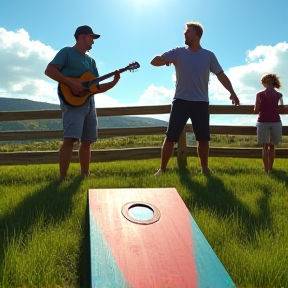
x=106, y=76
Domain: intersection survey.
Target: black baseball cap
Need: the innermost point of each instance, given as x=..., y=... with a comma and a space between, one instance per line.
x=86, y=30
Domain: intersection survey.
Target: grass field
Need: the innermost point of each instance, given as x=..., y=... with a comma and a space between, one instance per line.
x=242, y=212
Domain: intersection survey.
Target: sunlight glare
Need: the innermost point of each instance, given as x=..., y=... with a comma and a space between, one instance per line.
x=139, y=4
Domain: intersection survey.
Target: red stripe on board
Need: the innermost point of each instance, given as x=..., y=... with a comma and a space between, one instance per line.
x=156, y=255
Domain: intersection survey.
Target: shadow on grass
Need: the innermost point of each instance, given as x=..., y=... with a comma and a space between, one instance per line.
x=217, y=198
x=52, y=203
x=280, y=175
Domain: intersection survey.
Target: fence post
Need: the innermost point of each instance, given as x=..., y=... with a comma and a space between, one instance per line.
x=182, y=149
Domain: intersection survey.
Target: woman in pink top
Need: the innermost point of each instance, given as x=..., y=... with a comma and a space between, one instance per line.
x=269, y=125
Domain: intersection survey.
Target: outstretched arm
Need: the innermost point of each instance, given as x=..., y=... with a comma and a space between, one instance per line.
x=224, y=80
x=159, y=61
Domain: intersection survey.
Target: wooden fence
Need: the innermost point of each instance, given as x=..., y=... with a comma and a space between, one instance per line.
x=181, y=151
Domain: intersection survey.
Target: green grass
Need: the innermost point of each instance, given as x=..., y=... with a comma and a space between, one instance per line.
x=242, y=212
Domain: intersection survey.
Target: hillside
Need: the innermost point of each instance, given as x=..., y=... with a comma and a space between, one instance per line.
x=7, y=104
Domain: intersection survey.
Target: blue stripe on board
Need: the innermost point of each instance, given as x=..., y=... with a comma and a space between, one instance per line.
x=210, y=271
x=104, y=270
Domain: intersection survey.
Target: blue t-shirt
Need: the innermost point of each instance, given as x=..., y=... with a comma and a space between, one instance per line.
x=73, y=64
x=192, y=72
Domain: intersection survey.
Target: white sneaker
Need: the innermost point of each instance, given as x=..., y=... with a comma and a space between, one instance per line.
x=159, y=171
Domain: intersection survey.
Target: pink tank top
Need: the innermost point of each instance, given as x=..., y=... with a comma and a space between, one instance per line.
x=269, y=106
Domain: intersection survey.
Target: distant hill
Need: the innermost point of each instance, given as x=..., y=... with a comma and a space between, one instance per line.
x=11, y=104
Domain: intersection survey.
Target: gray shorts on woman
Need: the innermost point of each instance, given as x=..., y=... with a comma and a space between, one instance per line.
x=80, y=122
x=269, y=132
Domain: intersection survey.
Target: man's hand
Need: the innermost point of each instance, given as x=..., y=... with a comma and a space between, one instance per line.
x=224, y=80
x=116, y=76
x=76, y=87
x=235, y=100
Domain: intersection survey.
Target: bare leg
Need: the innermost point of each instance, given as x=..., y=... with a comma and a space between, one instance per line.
x=65, y=154
x=265, y=158
x=271, y=156
x=203, y=153
x=84, y=155
x=166, y=153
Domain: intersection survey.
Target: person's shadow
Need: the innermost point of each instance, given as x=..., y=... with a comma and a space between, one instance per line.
x=52, y=203
x=280, y=175
x=216, y=197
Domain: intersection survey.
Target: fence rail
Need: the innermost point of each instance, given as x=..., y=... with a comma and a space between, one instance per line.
x=182, y=151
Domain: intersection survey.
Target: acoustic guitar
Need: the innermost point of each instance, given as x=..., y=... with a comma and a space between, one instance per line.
x=90, y=83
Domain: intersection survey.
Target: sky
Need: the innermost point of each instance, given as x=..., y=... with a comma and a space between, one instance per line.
x=248, y=37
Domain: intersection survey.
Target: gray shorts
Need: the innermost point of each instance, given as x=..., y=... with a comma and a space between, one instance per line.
x=270, y=132
x=80, y=122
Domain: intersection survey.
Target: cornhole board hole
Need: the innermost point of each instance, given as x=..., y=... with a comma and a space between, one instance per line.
x=147, y=238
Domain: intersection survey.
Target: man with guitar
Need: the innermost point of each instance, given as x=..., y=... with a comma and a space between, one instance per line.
x=79, y=118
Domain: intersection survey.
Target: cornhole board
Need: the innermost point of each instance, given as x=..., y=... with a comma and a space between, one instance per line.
x=147, y=238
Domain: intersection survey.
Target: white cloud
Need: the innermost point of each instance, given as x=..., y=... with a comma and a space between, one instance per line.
x=156, y=96
x=103, y=100
x=246, y=78
x=23, y=62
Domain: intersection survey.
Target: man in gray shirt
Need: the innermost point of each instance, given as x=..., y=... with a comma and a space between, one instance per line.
x=193, y=65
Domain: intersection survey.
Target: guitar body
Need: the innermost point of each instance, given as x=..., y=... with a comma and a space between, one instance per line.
x=90, y=84
x=78, y=100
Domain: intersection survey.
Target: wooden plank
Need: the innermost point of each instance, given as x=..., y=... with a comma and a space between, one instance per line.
x=126, y=154
x=30, y=135
x=119, y=111
x=122, y=111
x=170, y=252
x=29, y=158
x=230, y=109
x=238, y=152
x=233, y=130
x=121, y=132
x=102, y=133
x=134, y=110
x=56, y=114
x=29, y=115
x=51, y=157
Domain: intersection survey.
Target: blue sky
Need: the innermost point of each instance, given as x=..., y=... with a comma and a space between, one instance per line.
x=249, y=38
